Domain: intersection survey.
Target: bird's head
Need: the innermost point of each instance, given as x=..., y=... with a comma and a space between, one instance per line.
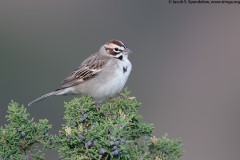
x=115, y=48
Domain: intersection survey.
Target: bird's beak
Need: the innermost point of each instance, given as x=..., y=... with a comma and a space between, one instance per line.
x=127, y=51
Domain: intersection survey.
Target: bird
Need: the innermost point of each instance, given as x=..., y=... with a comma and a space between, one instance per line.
x=101, y=76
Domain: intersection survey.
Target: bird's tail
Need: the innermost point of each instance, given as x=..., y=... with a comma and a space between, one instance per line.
x=43, y=97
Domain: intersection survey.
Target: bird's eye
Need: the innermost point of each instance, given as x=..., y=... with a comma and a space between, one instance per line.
x=116, y=49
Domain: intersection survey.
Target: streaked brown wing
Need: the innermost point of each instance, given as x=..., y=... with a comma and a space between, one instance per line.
x=88, y=70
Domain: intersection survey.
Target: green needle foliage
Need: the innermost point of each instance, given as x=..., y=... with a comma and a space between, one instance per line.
x=113, y=130
x=20, y=138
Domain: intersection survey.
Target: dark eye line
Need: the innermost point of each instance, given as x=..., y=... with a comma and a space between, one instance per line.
x=117, y=50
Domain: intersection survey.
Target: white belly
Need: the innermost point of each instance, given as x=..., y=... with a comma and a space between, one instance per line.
x=115, y=83
x=108, y=83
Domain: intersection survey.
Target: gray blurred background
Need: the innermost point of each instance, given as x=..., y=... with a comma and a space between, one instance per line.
x=186, y=69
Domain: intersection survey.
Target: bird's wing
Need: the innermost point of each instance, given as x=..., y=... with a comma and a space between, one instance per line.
x=87, y=70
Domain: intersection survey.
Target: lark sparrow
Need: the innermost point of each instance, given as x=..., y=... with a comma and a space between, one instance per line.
x=101, y=76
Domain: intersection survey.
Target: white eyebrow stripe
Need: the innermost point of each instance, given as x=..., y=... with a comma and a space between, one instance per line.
x=111, y=45
x=122, y=48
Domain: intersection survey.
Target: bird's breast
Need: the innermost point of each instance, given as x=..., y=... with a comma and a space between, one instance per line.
x=118, y=77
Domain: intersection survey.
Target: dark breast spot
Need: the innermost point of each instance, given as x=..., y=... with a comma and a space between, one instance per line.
x=124, y=69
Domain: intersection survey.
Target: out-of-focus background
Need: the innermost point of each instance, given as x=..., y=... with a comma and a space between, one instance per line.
x=186, y=63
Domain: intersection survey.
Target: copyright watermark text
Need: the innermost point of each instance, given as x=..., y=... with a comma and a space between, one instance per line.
x=204, y=1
